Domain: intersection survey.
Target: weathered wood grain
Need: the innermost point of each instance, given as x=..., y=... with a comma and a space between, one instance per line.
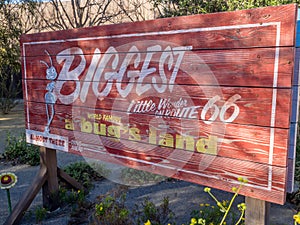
x=234, y=140
x=255, y=104
x=109, y=93
x=229, y=38
x=194, y=167
x=258, y=212
x=238, y=67
x=50, y=187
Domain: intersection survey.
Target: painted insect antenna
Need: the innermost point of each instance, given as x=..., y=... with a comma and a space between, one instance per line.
x=41, y=61
x=49, y=57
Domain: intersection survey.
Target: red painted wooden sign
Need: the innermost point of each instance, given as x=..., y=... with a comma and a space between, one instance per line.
x=204, y=98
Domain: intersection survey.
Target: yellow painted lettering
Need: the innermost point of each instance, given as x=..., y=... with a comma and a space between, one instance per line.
x=100, y=129
x=134, y=134
x=114, y=131
x=185, y=142
x=152, y=136
x=207, y=145
x=166, y=140
x=86, y=126
x=69, y=125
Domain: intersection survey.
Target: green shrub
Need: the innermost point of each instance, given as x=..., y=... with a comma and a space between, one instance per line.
x=158, y=215
x=138, y=177
x=167, y=8
x=19, y=151
x=70, y=196
x=84, y=172
x=40, y=214
x=112, y=211
x=294, y=197
x=297, y=163
x=210, y=214
x=222, y=212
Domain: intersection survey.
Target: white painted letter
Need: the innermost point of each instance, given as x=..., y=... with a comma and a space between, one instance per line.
x=89, y=75
x=166, y=54
x=109, y=76
x=67, y=56
x=180, y=51
x=140, y=88
x=132, y=74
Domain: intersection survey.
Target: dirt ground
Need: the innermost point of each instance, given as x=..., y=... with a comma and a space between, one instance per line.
x=184, y=197
x=13, y=123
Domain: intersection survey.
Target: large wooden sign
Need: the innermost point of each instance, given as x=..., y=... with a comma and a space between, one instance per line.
x=204, y=98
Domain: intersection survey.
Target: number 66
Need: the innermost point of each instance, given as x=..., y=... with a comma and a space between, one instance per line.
x=229, y=103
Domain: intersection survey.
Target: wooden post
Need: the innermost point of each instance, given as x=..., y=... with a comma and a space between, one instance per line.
x=257, y=212
x=47, y=180
x=69, y=180
x=50, y=187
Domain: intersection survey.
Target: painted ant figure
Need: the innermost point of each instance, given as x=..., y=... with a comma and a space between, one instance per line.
x=50, y=97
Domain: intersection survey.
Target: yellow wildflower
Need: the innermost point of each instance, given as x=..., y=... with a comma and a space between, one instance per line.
x=207, y=189
x=234, y=189
x=243, y=180
x=201, y=221
x=240, y=179
x=296, y=217
x=242, y=206
x=147, y=223
x=193, y=221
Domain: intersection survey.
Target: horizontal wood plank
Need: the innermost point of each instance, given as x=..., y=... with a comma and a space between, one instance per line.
x=255, y=104
x=229, y=38
x=234, y=141
x=237, y=67
x=195, y=167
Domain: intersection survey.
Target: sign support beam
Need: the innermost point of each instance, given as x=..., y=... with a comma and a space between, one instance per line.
x=257, y=212
x=47, y=180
